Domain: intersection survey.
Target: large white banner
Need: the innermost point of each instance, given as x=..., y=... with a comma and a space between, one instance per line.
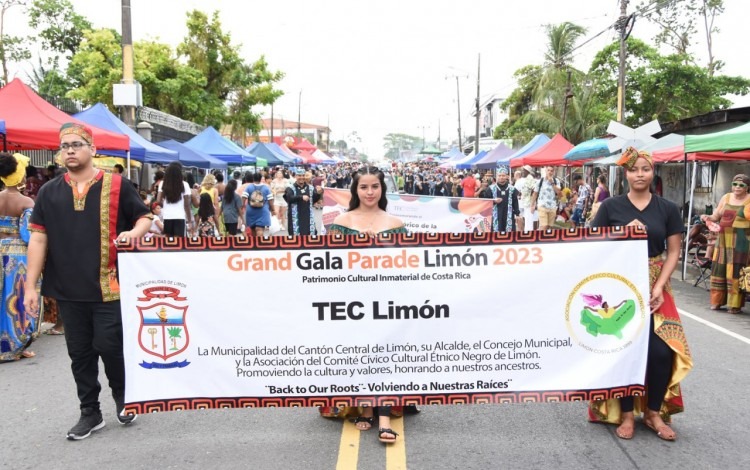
x=442, y=318
x=433, y=214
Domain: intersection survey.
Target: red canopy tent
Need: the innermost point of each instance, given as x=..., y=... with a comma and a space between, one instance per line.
x=32, y=123
x=550, y=154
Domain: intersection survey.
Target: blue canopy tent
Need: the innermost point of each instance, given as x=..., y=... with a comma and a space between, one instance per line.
x=5, y=140
x=467, y=162
x=259, y=149
x=211, y=142
x=193, y=158
x=140, y=149
x=531, y=146
x=489, y=161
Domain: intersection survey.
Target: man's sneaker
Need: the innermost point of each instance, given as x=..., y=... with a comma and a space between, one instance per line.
x=123, y=418
x=91, y=420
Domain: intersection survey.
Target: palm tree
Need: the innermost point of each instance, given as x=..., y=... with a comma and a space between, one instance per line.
x=550, y=89
x=174, y=333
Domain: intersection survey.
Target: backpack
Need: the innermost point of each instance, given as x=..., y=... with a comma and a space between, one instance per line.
x=256, y=198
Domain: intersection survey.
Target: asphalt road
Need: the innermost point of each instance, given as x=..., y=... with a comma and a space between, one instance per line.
x=38, y=405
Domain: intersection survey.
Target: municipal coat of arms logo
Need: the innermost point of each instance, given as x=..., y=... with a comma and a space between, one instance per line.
x=163, y=331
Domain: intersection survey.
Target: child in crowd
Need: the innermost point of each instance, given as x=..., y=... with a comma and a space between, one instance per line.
x=157, y=225
x=207, y=225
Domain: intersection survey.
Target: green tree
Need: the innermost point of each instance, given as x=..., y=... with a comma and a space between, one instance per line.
x=209, y=50
x=679, y=21
x=96, y=66
x=12, y=48
x=663, y=87
x=60, y=28
x=551, y=84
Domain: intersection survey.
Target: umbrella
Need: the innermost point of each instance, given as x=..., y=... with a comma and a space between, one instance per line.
x=594, y=148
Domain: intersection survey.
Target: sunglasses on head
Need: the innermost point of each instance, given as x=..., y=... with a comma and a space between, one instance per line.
x=738, y=184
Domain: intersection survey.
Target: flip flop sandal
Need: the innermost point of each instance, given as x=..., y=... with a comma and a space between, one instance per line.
x=54, y=332
x=623, y=435
x=658, y=433
x=387, y=440
x=362, y=419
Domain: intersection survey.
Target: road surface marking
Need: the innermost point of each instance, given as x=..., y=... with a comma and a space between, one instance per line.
x=349, y=447
x=715, y=326
x=395, y=454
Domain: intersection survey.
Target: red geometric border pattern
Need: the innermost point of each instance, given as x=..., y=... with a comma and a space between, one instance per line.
x=416, y=239
x=382, y=400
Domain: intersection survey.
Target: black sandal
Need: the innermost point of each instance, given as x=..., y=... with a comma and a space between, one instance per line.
x=382, y=431
x=362, y=419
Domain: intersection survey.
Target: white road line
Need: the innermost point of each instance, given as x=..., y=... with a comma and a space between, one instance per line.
x=714, y=326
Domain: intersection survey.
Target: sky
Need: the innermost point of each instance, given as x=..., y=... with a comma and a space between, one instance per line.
x=389, y=66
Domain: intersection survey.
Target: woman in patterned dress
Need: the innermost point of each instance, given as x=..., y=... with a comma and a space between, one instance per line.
x=18, y=328
x=732, y=246
x=668, y=359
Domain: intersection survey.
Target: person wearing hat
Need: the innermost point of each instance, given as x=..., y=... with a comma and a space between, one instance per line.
x=504, y=201
x=525, y=187
x=17, y=328
x=75, y=223
x=300, y=198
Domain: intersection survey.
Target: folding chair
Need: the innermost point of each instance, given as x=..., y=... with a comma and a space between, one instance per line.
x=703, y=265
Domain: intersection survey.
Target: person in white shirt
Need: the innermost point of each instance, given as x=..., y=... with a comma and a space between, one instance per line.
x=525, y=186
x=174, y=195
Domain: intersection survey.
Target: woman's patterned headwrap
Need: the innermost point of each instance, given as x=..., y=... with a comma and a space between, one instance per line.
x=630, y=155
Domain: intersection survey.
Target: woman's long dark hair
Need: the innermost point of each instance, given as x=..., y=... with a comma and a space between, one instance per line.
x=368, y=170
x=206, y=207
x=230, y=191
x=172, y=186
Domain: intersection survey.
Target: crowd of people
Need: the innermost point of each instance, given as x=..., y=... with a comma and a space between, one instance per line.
x=57, y=232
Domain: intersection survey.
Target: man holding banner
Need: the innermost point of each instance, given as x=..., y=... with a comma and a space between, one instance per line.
x=75, y=223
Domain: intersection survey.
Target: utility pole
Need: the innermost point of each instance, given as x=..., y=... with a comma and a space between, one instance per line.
x=621, y=26
x=299, y=115
x=568, y=95
x=128, y=112
x=458, y=103
x=476, y=130
x=270, y=141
